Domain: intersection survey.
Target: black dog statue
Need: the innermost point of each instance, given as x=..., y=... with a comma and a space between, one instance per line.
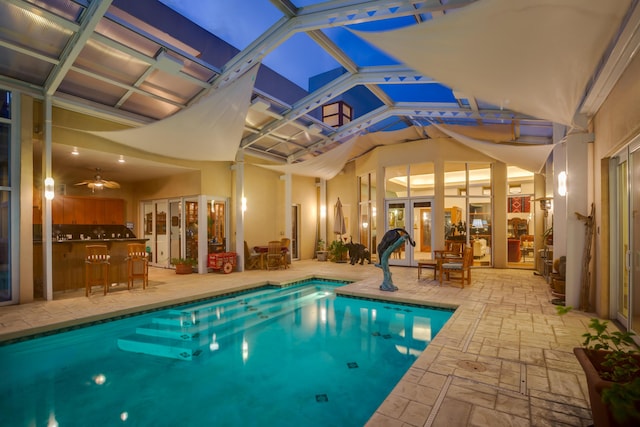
x=358, y=252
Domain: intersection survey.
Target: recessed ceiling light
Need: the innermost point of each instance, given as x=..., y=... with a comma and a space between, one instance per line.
x=121, y=159
x=75, y=151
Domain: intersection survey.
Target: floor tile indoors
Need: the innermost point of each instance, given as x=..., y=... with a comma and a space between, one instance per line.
x=504, y=359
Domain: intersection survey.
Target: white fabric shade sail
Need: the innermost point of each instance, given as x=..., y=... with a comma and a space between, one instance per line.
x=528, y=157
x=211, y=129
x=531, y=56
x=326, y=165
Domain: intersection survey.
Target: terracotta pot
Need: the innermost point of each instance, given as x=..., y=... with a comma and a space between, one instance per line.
x=591, y=361
x=184, y=269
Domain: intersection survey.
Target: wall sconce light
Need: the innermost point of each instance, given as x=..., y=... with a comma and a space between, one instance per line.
x=121, y=159
x=323, y=211
x=75, y=151
x=562, y=183
x=337, y=114
x=49, y=190
x=244, y=204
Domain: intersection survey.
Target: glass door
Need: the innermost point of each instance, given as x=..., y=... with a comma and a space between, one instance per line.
x=175, y=229
x=422, y=230
x=295, y=222
x=633, y=262
x=397, y=212
x=191, y=229
x=415, y=217
x=625, y=267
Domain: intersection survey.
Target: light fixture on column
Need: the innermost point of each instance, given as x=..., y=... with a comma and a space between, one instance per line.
x=244, y=204
x=49, y=191
x=337, y=113
x=562, y=183
x=365, y=222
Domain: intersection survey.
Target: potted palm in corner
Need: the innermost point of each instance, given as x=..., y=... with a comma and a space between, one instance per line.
x=183, y=265
x=611, y=364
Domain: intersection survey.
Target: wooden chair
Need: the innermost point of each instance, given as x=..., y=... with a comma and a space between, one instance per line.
x=96, y=267
x=137, y=264
x=454, y=248
x=274, y=255
x=285, y=242
x=439, y=257
x=251, y=261
x=459, y=267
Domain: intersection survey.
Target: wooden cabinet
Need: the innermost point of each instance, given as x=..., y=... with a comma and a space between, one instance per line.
x=114, y=211
x=57, y=210
x=73, y=211
x=87, y=211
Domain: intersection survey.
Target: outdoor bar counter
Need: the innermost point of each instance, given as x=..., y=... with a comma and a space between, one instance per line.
x=68, y=261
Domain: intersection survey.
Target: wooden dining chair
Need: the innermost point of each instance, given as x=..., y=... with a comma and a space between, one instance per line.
x=285, y=244
x=251, y=261
x=137, y=264
x=96, y=267
x=274, y=255
x=459, y=268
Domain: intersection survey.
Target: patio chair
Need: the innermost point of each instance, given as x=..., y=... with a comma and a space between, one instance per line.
x=285, y=244
x=460, y=268
x=275, y=258
x=252, y=261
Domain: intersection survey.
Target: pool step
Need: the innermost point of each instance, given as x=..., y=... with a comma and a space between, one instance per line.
x=188, y=325
x=185, y=340
x=155, y=346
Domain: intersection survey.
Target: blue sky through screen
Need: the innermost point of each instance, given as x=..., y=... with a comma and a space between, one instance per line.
x=240, y=23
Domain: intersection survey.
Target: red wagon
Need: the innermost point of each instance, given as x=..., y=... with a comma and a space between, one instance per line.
x=223, y=261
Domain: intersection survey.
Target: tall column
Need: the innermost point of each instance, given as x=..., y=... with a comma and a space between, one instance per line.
x=577, y=169
x=288, y=201
x=47, y=226
x=322, y=214
x=239, y=204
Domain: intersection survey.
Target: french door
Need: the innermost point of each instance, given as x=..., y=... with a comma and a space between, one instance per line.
x=625, y=233
x=415, y=217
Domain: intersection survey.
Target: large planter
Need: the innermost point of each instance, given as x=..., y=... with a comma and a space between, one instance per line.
x=184, y=269
x=591, y=362
x=322, y=255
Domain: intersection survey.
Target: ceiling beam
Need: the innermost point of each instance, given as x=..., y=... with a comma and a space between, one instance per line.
x=90, y=19
x=366, y=75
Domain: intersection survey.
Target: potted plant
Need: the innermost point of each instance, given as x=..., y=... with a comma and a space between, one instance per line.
x=338, y=251
x=321, y=252
x=611, y=364
x=184, y=265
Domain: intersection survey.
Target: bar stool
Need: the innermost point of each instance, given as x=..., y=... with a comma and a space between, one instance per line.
x=96, y=267
x=137, y=264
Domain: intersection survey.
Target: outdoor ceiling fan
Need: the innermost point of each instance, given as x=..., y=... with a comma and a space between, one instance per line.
x=97, y=183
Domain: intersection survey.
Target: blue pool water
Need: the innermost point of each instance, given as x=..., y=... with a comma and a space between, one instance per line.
x=293, y=356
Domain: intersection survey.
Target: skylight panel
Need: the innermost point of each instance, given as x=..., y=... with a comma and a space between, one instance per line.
x=237, y=23
x=360, y=52
x=299, y=58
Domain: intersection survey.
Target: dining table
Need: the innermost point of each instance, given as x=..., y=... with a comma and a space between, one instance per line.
x=263, y=250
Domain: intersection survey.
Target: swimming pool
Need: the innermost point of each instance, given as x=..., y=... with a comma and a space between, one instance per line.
x=292, y=356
